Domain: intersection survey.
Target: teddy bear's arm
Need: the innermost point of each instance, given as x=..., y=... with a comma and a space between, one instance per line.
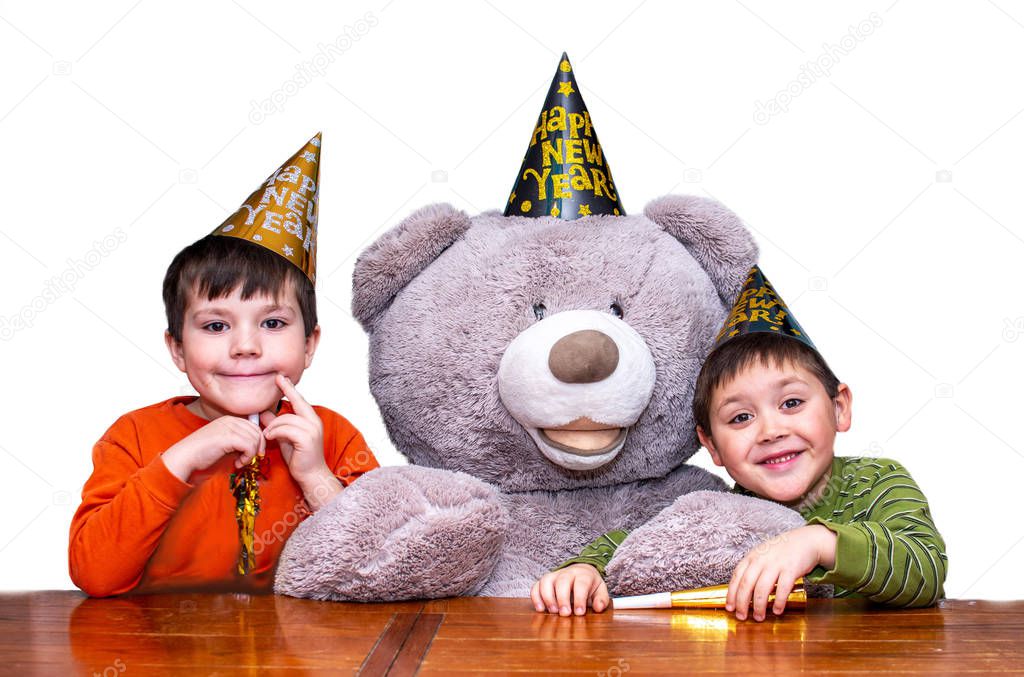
x=696, y=541
x=398, y=533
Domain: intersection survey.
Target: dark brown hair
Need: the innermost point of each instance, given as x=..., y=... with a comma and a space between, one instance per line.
x=733, y=356
x=215, y=266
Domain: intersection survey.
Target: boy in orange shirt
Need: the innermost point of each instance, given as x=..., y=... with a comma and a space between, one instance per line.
x=159, y=511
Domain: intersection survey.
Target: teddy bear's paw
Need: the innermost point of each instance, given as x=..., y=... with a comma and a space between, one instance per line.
x=397, y=533
x=696, y=541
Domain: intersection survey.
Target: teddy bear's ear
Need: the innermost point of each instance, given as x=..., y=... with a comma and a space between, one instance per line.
x=399, y=255
x=712, y=234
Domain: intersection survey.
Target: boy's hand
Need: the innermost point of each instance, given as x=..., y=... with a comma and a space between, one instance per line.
x=301, y=438
x=209, y=444
x=575, y=585
x=775, y=565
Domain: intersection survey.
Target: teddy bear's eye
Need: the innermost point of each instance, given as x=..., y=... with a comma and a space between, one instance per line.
x=538, y=310
x=616, y=310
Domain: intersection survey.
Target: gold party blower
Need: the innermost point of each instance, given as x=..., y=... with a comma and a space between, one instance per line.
x=712, y=597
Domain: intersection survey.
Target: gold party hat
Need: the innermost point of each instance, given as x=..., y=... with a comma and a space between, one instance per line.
x=281, y=214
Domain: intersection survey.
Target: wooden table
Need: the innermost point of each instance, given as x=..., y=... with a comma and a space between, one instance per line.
x=63, y=632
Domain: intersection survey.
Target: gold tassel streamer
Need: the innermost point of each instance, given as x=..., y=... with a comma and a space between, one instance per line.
x=245, y=487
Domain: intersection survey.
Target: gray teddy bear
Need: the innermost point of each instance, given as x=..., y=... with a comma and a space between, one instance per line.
x=538, y=374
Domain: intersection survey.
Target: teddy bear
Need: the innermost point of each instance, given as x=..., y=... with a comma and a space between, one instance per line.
x=538, y=375
x=537, y=367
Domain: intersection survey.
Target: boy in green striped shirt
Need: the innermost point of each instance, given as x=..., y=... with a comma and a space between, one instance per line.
x=768, y=408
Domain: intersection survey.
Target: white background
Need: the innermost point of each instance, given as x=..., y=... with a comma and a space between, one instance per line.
x=881, y=198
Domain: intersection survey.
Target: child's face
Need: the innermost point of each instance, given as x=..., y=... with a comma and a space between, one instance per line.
x=773, y=429
x=232, y=349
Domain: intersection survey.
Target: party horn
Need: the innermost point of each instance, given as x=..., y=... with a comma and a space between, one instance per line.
x=712, y=597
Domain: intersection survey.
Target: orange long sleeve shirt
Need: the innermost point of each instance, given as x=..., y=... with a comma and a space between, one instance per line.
x=141, y=529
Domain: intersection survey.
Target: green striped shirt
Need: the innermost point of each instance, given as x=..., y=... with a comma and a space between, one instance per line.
x=887, y=547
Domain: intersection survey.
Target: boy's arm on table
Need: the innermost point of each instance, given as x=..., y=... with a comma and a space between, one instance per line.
x=892, y=554
x=125, y=508
x=599, y=552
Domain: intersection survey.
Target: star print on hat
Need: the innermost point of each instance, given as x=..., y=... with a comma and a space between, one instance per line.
x=565, y=173
x=281, y=215
x=759, y=308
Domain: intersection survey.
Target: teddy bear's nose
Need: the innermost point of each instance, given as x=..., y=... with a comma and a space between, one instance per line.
x=585, y=356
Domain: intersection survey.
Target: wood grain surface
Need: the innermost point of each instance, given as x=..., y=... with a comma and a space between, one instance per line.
x=63, y=632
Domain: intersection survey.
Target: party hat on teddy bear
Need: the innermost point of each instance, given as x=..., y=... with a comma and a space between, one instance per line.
x=281, y=214
x=565, y=173
x=759, y=309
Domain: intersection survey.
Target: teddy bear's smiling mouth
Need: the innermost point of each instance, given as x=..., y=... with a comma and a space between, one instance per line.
x=584, y=442
x=584, y=437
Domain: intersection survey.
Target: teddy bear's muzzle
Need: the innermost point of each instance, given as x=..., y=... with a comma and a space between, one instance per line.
x=577, y=381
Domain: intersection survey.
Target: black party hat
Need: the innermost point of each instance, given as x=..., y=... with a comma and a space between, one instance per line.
x=759, y=308
x=565, y=173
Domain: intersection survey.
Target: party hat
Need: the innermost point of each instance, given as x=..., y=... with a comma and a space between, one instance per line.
x=281, y=214
x=759, y=308
x=565, y=173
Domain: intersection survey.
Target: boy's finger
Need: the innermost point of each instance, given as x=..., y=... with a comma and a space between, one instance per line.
x=244, y=444
x=547, y=593
x=286, y=431
x=764, y=587
x=538, y=603
x=299, y=405
x=734, y=582
x=782, y=590
x=601, y=599
x=744, y=589
x=580, y=595
x=294, y=429
x=563, y=595
x=292, y=420
x=243, y=458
